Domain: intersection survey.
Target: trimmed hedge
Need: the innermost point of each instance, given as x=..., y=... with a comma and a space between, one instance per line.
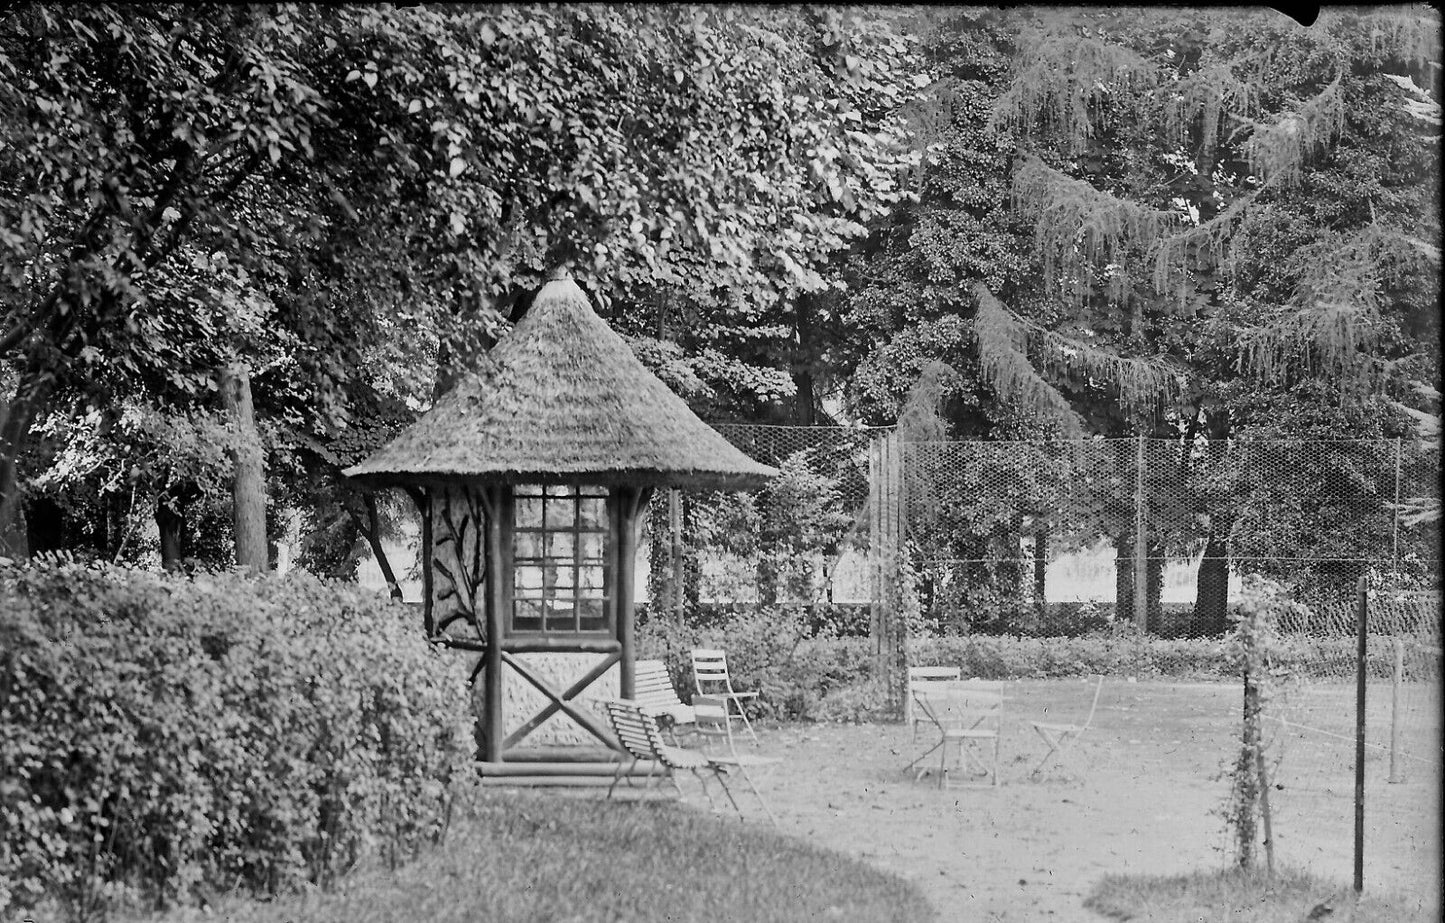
x=163, y=736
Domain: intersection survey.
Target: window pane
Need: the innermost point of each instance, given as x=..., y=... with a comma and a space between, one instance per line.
x=591, y=547
x=590, y=578
x=593, y=513
x=592, y=614
x=528, y=512
x=527, y=616
x=561, y=511
x=561, y=615
x=527, y=545
x=560, y=545
x=528, y=580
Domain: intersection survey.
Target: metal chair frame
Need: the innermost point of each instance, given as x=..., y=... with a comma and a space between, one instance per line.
x=1061, y=738
x=710, y=677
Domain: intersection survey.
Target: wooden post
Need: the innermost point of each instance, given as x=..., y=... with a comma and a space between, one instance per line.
x=628, y=503
x=885, y=520
x=497, y=501
x=1397, y=679
x=1141, y=544
x=674, y=526
x=1363, y=610
x=1264, y=807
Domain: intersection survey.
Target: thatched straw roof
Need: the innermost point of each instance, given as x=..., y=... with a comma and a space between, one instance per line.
x=561, y=399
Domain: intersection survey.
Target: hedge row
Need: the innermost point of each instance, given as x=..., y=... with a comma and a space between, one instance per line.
x=163, y=736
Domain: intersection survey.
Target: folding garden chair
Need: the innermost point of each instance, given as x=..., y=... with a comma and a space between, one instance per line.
x=920, y=677
x=1061, y=737
x=713, y=723
x=641, y=739
x=967, y=715
x=653, y=690
x=710, y=677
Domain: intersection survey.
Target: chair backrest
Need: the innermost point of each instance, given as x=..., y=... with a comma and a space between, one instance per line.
x=636, y=729
x=652, y=686
x=922, y=676
x=710, y=672
x=965, y=704
x=1098, y=688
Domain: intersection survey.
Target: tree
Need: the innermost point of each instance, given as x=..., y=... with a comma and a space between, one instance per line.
x=1145, y=163
x=298, y=187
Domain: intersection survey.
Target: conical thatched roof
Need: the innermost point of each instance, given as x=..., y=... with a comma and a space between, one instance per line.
x=561, y=399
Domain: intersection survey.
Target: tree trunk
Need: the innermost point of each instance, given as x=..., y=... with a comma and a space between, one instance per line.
x=172, y=526
x=1154, y=616
x=1041, y=566
x=1211, y=595
x=371, y=528
x=1211, y=598
x=16, y=418
x=249, y=487
x=1124, y=575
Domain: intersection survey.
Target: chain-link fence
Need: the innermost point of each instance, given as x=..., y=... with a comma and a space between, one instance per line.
x=799, y=542
x=1040, y=538
x=1311, y=724
x=1070, y=536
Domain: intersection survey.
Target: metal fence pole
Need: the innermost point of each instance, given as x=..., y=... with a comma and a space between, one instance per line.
x=1397, y=677
x=1141, y=540
x=1395, y=554
x=1363, y=610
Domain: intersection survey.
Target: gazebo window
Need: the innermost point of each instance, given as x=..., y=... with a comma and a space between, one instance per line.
x=559, y=556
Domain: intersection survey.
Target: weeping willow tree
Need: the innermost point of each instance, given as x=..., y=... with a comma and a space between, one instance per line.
x=1160, y=155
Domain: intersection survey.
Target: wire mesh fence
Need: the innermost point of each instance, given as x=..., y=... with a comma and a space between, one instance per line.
x=1064, y=537
x=1310, y=728
x=1054, y=537
x=800, y=541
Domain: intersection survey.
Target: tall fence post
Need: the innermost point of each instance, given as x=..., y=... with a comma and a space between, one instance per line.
x=674, y=526
x=1397, y=679
x=1395, y=525
x=885, y=515
x=1363, y=611
x=1141, y=545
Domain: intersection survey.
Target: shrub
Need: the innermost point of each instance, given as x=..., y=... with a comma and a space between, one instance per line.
x=162, y=734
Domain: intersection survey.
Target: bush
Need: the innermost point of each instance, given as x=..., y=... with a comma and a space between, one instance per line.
x=161, y=736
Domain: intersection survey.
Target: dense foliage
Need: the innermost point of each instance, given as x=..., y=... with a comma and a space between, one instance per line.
x=352, y=201
x=164, y=738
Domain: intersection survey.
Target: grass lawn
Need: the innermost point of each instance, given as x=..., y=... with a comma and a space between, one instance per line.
x=538, y=857
x=1244, y=897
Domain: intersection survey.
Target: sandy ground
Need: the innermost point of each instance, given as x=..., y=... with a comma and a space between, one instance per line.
x=1143, y=796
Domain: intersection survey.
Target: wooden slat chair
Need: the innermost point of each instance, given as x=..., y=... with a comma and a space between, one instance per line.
x=710, y=677
x=967, y=714
x=711, y=712
x=1060, y=738
x=653, y=690
x=641, y=738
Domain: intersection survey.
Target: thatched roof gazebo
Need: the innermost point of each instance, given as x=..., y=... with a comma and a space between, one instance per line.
x=530, y=475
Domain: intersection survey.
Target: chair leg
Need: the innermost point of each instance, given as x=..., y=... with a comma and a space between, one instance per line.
x=727, y=790
x=744, y=715
x=759, y=795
